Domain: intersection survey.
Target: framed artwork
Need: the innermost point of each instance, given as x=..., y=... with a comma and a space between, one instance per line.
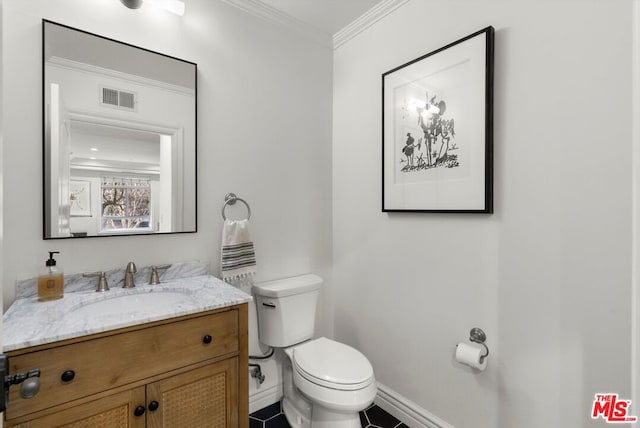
x=437, y=130
x=80, y=198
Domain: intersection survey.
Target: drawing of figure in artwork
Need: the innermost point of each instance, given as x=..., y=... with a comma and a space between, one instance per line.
x=446, y=132
x=408, y=149
x=427, y=135
x=428, y=118
x=434, y=126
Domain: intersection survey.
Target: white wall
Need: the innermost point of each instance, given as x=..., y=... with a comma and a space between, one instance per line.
x=264, y=129
x=548, y=276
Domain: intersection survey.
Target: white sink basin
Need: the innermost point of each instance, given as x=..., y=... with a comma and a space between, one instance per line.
x=157, y=301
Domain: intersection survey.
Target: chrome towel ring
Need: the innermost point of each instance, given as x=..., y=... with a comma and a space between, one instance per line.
x=231, y=199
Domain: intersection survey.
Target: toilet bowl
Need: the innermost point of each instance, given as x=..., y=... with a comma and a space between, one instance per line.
x=326, y=383
x=333, y=375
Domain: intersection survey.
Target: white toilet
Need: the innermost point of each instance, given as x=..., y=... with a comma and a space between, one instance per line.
x=326, y=383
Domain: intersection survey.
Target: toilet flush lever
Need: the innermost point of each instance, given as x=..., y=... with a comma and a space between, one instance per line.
x=269, y=305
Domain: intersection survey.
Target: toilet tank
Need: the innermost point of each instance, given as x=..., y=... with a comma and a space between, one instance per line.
x=287, y=309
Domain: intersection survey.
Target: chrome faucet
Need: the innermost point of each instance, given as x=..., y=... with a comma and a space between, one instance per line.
x=129, y=275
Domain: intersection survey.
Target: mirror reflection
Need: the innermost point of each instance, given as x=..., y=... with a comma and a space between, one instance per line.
x=119, y=138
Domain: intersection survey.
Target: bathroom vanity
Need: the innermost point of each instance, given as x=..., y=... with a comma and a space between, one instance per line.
x=182, y=365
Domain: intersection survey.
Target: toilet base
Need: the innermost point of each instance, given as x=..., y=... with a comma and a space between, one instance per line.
x=295, y=407
x=321, y=417
x=326, y=418
x=295, y=417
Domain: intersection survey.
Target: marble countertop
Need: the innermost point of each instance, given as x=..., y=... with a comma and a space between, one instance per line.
x=29, y=322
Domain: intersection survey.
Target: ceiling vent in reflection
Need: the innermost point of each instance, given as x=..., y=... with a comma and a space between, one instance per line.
x=119, y=99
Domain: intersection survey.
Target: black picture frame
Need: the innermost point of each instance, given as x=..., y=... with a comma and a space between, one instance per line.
x=437, y=130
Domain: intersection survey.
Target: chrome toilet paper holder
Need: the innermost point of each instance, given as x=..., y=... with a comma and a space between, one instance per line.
x=478, y=336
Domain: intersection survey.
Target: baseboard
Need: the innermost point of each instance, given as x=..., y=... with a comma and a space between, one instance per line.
x=387, y=399
x=264, y=398
x=407, y=411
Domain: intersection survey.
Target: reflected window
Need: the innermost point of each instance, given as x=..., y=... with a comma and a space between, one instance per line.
x=126, y=204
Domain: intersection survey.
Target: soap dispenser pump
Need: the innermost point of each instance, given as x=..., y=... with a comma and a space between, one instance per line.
x=51, y=280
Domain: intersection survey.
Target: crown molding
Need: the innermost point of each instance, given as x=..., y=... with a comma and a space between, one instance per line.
x=376, y=13
x=91, y=69
x=271, y=14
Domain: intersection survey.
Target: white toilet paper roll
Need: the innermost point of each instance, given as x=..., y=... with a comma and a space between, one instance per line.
x=470, y=354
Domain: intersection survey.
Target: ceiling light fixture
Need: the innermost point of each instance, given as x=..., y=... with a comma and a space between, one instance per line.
x=173, y=6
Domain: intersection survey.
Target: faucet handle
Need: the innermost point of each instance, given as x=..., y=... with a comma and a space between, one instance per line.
x=102, y=281
x=131, y=267
x=155, y=279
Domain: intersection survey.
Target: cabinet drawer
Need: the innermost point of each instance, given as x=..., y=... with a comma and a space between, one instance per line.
x=111, y=361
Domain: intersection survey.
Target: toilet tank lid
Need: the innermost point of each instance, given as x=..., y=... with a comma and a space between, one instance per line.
x=288, y=286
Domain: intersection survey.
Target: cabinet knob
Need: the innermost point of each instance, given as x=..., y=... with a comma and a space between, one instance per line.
x=139, y=411
x=207, y=339
x=153, y=406
x=68, y=376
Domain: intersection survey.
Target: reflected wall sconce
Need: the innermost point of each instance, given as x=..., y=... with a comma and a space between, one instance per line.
x=173, y=6
x=132, y=4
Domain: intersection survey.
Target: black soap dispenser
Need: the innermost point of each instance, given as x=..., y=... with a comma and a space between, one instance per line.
x=51, y=280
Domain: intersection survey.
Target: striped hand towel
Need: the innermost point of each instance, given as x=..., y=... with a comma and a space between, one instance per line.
x=237, y=258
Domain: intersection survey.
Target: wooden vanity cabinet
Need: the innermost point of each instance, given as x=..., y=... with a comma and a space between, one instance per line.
x=115, y=410
x=175, y=373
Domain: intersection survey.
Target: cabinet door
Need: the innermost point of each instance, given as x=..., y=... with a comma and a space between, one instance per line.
x=113, y=411
x=206, y=397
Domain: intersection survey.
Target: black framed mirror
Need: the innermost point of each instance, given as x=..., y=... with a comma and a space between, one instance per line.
x=119, y=137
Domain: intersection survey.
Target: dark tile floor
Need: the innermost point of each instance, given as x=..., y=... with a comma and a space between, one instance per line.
x=272, y=417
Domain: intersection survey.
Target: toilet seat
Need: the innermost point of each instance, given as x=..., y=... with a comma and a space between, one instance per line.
x=333, y=365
